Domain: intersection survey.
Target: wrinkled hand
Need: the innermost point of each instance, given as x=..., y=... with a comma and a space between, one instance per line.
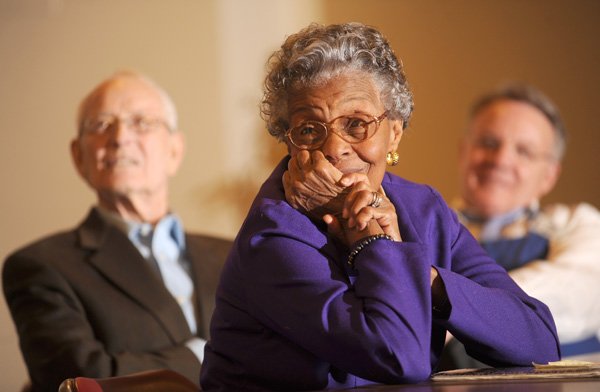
x=362, y=219
x=312, y=185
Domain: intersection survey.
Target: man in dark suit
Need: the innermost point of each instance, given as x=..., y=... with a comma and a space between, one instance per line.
x=127, y=290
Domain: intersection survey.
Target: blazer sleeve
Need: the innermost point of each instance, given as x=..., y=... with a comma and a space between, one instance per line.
x=496, y=320
x=56, y=333
x=498, y=323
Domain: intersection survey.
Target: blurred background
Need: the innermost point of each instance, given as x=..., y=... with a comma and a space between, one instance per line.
x=210, y=56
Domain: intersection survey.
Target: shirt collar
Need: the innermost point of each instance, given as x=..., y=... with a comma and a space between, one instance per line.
x=498, y=226
x=169, y=225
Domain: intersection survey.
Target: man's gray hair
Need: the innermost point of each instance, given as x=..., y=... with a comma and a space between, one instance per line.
x=526, y=93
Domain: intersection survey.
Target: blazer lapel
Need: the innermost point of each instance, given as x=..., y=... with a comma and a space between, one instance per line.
x=121, y=263
x=196, y=256
x=207, y=256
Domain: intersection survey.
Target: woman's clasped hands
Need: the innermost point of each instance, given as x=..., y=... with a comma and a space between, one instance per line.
x=347, y=202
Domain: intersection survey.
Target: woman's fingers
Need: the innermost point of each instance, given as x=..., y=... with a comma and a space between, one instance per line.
x=386, y=218
x=359, y=197
x=334, y=227
x=351, y=179
x=311, y=184
x=364, y=205
x=389, y=223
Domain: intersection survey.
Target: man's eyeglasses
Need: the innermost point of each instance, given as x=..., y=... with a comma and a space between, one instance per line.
x=355, y=128
x=109, y=122
x=523, y=152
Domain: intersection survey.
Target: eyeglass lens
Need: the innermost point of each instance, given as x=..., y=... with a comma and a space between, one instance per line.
x=353, y=129
x=139, y=124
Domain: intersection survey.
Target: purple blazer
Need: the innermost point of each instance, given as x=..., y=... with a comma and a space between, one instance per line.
x=290, y=316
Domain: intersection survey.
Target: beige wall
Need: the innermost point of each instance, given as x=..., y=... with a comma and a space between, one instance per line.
x=210, y=55
x=455, y=49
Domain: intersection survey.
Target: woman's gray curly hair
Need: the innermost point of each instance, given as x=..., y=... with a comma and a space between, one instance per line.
x=319, y=53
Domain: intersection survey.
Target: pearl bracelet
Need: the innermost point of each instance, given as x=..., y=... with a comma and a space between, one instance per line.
x=363, y=243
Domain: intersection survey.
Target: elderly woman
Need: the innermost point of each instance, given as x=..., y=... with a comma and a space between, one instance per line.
x=343, y=274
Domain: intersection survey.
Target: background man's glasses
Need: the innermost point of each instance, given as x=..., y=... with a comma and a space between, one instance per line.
x=355, y=128
x=109, y=122
x=523, y=152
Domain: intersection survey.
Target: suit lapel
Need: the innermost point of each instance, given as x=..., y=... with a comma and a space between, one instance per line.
x=121, y=263
x=196, y=256
x=206, y=256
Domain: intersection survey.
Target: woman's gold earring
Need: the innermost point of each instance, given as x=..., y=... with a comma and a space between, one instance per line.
x=392, y=158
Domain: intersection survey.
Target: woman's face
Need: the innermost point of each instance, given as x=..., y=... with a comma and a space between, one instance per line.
x=347, y=94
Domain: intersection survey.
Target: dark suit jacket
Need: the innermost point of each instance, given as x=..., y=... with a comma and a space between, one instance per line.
x=86, y=303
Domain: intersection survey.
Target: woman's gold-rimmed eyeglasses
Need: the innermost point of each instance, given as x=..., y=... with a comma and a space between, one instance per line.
x=354, y=128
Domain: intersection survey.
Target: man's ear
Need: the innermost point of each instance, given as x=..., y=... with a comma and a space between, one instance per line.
x=395, y=134
x=176, y=151
x=551, y=177
x=77, y=156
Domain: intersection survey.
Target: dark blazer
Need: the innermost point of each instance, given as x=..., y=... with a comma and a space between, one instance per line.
x=86, y=303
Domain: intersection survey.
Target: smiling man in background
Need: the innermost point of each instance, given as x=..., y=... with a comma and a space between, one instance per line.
x=509, y=159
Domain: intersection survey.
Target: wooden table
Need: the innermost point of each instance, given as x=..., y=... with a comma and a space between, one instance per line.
x=518, y=379
x=550, y=385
